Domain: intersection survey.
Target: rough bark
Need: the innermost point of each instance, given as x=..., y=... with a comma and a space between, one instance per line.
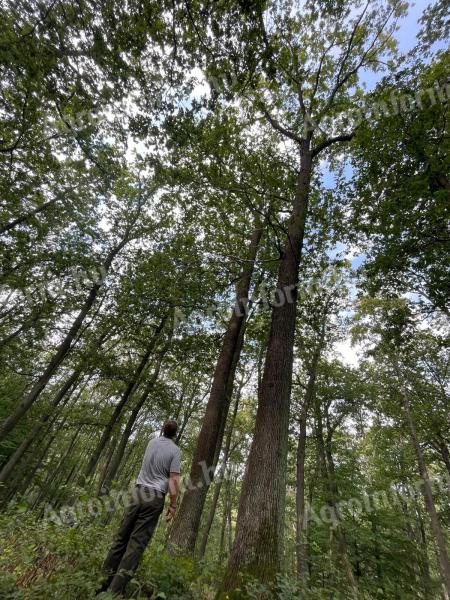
x=185, y=528
x=62, y=351
x=258, y=548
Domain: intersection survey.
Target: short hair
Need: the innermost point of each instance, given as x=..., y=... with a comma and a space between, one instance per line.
x=170, y=428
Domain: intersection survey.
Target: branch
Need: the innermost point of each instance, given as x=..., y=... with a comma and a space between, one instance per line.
x=345, y=137
x=276, y=125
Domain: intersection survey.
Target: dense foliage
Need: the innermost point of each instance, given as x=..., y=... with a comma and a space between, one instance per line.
x=202, y=208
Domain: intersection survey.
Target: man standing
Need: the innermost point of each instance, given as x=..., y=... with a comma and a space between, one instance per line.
x=160, y=472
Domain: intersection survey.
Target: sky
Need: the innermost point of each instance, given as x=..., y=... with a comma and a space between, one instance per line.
x=409, y=28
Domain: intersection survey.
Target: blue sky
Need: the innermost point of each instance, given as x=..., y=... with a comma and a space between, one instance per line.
x=409, y=28
x=406, y=36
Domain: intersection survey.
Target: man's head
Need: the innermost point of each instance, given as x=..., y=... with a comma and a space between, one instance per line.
x=170, y=429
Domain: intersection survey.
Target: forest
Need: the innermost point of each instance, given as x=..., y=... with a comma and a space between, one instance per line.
x=233, y=214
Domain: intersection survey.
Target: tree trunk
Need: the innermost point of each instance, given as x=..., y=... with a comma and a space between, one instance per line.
x=37, y=428
x=186, y=525
x=439, y=537
x=128, y=393
x=27, y=479
x=115, y=434
x=302, y=563
x=62, y=351
x=445, y=454
x=338, y=531
x=217, y=489
x=329, y=478
x=258, y=548
x=118, y=455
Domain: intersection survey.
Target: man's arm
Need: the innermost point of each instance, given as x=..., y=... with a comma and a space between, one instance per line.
x=174, y=487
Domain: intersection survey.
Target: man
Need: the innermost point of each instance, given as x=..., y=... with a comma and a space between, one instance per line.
x=160, y=472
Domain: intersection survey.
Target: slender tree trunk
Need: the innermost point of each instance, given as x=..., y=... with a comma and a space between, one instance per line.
x=258, y=546
x=118, y=455
x=376, y=552
x=37, y=428
x=338, y=531
x=230, y=508
x=62, y=351
x=302, y=562
x=28, y=478
x=424, y=564
x=439, y=537
x=109, y=454
x=300, y=498
x=28, y=483
x=328, y=474
x=223, y=530
x=128, y=393
x=445, y=454
x=57, y=473
x=217, y=489
x=185, y=528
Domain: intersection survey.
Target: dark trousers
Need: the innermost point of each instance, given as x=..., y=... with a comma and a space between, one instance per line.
x=137, y=527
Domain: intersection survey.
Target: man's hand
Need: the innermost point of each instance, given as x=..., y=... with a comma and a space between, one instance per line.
x=170, y=512
x=174, y=486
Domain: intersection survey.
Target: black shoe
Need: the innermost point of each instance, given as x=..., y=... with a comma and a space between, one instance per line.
x=103, y=587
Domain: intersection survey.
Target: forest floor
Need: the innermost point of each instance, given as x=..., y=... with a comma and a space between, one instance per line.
x=42, y=560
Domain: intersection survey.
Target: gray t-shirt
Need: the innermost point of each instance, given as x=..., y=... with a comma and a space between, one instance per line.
x=161, y=458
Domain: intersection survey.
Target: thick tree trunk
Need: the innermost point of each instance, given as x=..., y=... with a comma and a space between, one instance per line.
x=439, y=537
x=62, y=351
x=258, y=547
x=185, y=528
x=37, y=428
x=217, y=489
x=128, y=393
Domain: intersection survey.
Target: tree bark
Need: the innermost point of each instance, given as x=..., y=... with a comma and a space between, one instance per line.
x=184, y=531
x=328, y=474
x=258, y=548
x=62, y=351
